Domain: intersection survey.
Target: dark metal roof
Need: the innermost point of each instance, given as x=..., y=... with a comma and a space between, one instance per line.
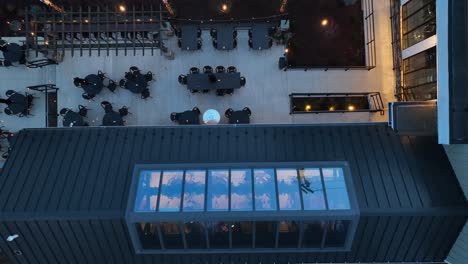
x=53, y=170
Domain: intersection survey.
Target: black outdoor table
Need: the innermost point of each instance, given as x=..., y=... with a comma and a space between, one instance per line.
x=225, y=37
x=13, y=53
x=260, y=37
x=136, y=84
x=201, y=81
x=112, y=119
x=72, y=118
x=19, y=103
x=239, y=117
x=189, y=118
x=94, y=86
x=189, y=38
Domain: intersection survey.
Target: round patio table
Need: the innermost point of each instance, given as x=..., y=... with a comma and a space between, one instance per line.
x=94, y=86
x=136, y=84
x=72, y=119
x=19, y=103
x=112, y=119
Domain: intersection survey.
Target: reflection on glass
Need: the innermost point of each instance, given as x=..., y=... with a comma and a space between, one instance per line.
x=312, y=189
x=218, y=234
x=147, y=192
x=241, y=190
x=313, y=234
x=148, y=234
x=242, y=234
x=288, y=234
x=335, y=186
x=265, y=234
x=194, y=191
x=336, y=233
x=288, y=189
x=195, y=235
x=171, y=235
x=265, y=193
x=218, y=190
x=171, y=189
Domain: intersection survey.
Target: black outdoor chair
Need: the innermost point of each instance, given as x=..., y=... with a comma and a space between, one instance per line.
x=235, y=43
x=207, y=69
x=64, y=111
x=234, y=34
x=9, y=93
x=175, y=117
x=87, y=96
x=77, y=81
x=122, y=82
x=196, y=110
x=149, y=76
x=250, y=43
x=250, y=33
x=215, y=43
x=199, y=44
x=220, y=92
x=179, y=43
x=82, y=110
x=243, y=81
x=178, y=33
x=106, y=106
x=7, y=111
x=246, y=109
x=145, y=94
x=124, y=111
x=112, y=86
x=101, y=75
x=194, y=70
x=231, y=69
x=194, y=91
x=182, y=79
x=199, y=33
x=229, y=91
x=220, y=69
x=134, y=70
x=129, y=76
x=214, y=33
x=228, y=113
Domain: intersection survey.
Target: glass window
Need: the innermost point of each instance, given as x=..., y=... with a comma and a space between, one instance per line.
x=288, y=234
x=195, y=235
x=265, y=190
x=218, y=190
x=313, y=234
x=241, y=190
x=311, y=189
x=335, y=186
x=288, y=189
x=147, y=192
x=194, y=191
x=171, y=235
x=171, y=189
x=242, y=234
x=336, y=233
x=265, y=234
x=148, y=234
x=218, y=234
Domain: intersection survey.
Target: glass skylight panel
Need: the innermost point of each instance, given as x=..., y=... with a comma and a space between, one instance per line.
x=288, y=189
x=218, y=190
x=241, y=190
x=147, y=195
x=311, y=189
x=335, y=187
x=194, y=191
x=265, y=191
x=171, y=191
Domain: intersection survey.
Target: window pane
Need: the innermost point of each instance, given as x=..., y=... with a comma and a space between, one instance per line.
x=288, y=234
x=288, y=189
x=194, y=191
x=171, y=235
x=195, y=235
x=171, y=189
x=335, y=185
x=313, y=234
x=147, y=192
x=312, y=189
x=242, y=234
x=218, y=234
x=265, y=234
x=265, y=193
x=218, y=190
x=148, y=234
x=336, y=233
x=241, y=190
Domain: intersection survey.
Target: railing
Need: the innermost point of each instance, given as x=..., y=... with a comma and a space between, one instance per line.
x=395, y=6
x=51, y=114
x=95, y=29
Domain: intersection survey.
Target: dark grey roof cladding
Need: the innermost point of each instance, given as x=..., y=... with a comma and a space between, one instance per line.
x=90, y=169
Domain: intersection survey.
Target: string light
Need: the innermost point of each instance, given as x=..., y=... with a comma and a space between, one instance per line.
x=324, y=22
x=122, y=8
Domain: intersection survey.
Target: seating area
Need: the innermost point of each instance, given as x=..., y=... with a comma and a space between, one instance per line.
x=211, y=116
x=17, y=103
x=136, y=82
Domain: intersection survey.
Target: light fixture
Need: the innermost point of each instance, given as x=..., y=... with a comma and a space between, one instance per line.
x=46, y=42
x=232, y=226
x=331, y=108
x=286, y=50
x=324, y=22
x=86, y=21
x=224, y=7
x=32, y=34
x=308, y=107
x=122, y=8
x=351, y=108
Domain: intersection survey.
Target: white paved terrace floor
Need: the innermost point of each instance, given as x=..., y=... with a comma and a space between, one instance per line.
x=266, y=92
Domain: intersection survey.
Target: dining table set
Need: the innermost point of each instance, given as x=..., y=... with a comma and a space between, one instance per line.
x=93, y=84
x=17, y=103
x=137, y=82
x=12, y=53
x=211, y=116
